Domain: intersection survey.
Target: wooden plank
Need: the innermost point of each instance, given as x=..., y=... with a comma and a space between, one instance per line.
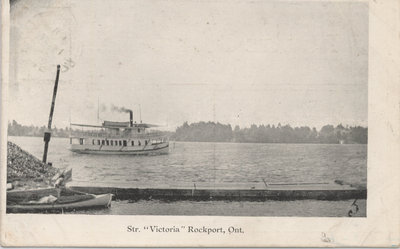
x=226, y=194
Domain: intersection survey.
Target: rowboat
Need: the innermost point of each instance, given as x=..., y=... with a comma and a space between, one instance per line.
x=45, y=200
x=98, y=201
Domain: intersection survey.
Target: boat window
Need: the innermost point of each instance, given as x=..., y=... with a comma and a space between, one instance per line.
x=139, y=143
x=98, y=142
x=107, y=142
x=125, y=143
x=103, y=142
x=138, y=130
x=120, y=144
x=133, y=143
x=112, y=142
x=93, y=141
x=145, y=142
x=81, y=141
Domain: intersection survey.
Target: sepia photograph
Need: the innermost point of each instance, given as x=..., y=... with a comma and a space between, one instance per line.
x=193, y=108
x=200, y=123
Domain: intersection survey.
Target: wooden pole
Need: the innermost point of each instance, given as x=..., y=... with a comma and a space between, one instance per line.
x=47, y=134
x=265, y=183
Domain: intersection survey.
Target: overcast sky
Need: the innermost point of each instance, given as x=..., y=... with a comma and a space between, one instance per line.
x=237, y=62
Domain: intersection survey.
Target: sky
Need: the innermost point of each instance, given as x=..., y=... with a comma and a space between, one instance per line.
x=238, y=62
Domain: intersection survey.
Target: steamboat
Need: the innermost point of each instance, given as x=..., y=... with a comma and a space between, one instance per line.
x=118, y=138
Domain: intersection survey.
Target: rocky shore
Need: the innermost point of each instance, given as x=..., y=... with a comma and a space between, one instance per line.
x=26, y=171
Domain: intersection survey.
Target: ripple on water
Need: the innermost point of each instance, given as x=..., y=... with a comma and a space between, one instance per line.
x=214, y=162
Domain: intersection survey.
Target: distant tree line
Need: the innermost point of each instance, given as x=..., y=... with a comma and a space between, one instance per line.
x=216, y=132
x=16, y=129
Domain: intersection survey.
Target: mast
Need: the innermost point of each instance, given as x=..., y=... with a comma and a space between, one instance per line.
x=47, y=134
x=98, y=112
x=140, y=113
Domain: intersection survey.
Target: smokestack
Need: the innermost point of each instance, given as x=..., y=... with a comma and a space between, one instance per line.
x=131, y=118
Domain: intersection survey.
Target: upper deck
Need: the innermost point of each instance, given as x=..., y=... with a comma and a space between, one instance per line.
x=117, y=130
x=116, y=135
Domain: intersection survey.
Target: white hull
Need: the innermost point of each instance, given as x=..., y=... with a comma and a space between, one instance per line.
x=162, y=148
x=98, y=201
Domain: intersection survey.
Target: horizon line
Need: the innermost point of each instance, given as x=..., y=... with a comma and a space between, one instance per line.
x=217, y=122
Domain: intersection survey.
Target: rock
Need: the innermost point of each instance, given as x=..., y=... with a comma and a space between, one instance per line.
x=23, y=169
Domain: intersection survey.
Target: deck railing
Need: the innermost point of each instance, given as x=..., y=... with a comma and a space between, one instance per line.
x=149, y=135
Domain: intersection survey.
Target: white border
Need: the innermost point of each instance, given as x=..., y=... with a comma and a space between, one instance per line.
x=379, y=228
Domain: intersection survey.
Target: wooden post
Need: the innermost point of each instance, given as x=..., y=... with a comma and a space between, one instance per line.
x=47, y=134
x=266, y=185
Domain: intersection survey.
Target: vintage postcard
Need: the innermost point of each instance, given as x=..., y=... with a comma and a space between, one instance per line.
x=200, y=123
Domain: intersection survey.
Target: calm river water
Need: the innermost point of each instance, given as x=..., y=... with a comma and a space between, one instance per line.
x=190, y=162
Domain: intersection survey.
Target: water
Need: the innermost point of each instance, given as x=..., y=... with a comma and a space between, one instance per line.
x=190, y=162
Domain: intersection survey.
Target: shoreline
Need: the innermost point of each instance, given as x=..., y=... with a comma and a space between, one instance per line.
x=222, y=142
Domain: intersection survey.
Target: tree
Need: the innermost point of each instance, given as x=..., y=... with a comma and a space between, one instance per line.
x=327, y=134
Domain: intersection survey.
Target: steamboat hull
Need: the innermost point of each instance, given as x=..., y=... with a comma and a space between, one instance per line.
x=150, y=150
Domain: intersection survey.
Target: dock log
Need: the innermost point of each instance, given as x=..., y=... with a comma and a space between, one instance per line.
x=278, y=192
